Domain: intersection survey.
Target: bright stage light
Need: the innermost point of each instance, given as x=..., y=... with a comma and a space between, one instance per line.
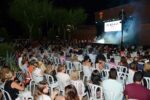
x=101, y=41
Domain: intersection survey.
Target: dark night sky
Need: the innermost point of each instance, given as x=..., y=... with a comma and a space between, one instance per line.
x=90, y=6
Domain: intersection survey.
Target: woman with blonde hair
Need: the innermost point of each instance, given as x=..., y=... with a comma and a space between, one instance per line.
x=79, y=85
x=50, y=69
x=62, y=77
x=11, y=85
x=37, y=73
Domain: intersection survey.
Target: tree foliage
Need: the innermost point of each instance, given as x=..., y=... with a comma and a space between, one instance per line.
x=31, y=13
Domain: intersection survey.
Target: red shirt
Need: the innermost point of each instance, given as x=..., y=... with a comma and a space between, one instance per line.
x=137, y=91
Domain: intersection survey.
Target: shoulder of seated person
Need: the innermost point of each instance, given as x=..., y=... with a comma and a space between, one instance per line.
x=60, y=98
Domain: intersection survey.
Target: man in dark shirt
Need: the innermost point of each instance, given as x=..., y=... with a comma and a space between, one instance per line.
x=136, y=90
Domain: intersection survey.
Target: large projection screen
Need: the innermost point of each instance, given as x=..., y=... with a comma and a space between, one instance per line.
x=113, y=26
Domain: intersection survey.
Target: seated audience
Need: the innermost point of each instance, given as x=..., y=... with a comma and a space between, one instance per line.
x=51, y=70
x=136, y=90
x=37, y=74
x=132, y=70
x=112, y=87
x=41, y=92
x=96, y=78
x=62, y=77
x=74, y=80
x=146, y=70
x=70, y=94
x=112, y=63
x=62, y=58
x=12, y=86
x=87, y=67
x=101, y=63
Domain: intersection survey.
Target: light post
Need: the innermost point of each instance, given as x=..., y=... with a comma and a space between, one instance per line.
x=122, y=26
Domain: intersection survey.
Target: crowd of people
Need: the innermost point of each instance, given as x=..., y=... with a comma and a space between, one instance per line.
x=119, y=73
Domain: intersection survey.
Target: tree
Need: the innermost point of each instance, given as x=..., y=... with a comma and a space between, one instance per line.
x=65, y=19
x=31, y=14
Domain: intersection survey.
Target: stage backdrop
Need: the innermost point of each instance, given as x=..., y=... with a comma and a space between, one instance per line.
x=139, y=11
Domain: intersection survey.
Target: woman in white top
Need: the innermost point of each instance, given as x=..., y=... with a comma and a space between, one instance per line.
x=87, y=67
x=62, y=77
x=132, y=70
x=37, y=74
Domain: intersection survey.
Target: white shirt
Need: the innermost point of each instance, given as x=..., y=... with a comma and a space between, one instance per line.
x=63, y=79
x=112, y=88
x=92, y=57
x=87, y=72
x=80, y=57
x=44, y=97
x=37, y=75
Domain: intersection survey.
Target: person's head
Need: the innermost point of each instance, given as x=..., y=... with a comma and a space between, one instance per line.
x=7, y=74
x=61, y=53
x=61, y=68
x=86, y=59
x=95, y=77
x=147, y=67
x=74, y=75
x=113, y=73
x=80, y=52
x=112, y=60
x=42, y=88
x=133, y=66
x=100, y=58
x=138, y=76
x=49, y=69
x=71, y=93
x=90, y=50
x=124, y=61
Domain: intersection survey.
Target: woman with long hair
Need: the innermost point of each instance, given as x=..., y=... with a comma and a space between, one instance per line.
x=41, y=92
x=70, y=94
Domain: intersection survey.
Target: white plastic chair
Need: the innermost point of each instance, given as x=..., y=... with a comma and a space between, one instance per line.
x=117, y=59
x=96, y=92
x=62, y=84
x=105, y=74
x=80, y=87
x=51, y=83
x=147, y=80
x=25, y=95
x=56, y=61
x=122, y=69
x=78, y=66
x=32, y=86
x=5, y=93
x=69, y=66
x=122, y=77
